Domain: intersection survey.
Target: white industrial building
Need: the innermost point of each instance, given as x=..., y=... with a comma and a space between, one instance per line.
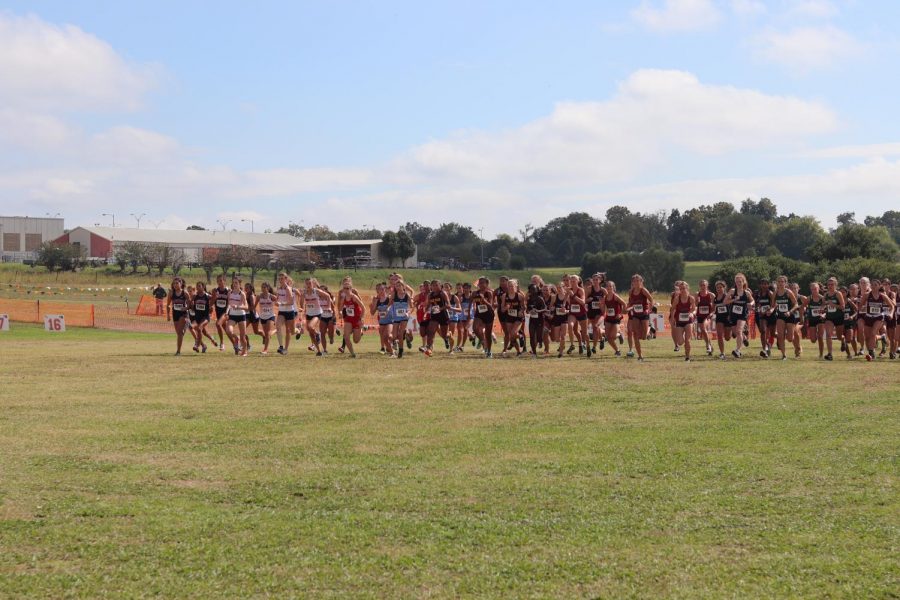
x=102, y=242
x=21, y=237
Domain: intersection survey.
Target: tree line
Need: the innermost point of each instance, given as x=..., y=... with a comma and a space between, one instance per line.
x=714, y=232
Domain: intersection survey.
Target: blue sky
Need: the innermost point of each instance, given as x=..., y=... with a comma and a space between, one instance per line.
x=494, y=114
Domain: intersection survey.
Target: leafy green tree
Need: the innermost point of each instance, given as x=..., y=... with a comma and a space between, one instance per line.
x=794, y=236
x=660, y=269
x=406, y=247
x=569, y=238
x=390, y=246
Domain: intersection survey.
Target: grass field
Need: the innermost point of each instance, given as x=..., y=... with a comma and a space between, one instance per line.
x=125, y=472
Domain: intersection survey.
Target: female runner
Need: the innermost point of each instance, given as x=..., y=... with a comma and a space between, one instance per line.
x=312, y=299
x=438, y=319
x=639, y=303
x=740, y=302
x=381, y=306
x=578, y=318
x=514, y=305
x=834, y=314
x=464, y=293
x=237, y=316
x=327, y=322
x=220, y=300
x=499, y=293
x=202, y=303
x=264, y=306
x=453, y=310
x=765, y=317
x=537, y=308
x=613, y=308
x=786, y=307
x=685, y=314
x=851, y=314
x=400, y=303
x=704, y=311
x=723, y=317
x=287, y=312
x=559, y=321
x=252, y=318
x=595, y=294
x=483, y=319
x=815, y=306
x=352, y=309
x=872, y=308
x=176, y=310
x=799, y=315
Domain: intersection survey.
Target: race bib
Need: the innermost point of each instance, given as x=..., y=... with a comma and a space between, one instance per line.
x=637, y=309
x=610, y=312
x=533, y=314
x=350, y=311
x=832, y=309
x=513, y=312
x=178, y=306
x=575, y=308
x=201, y=306
x=874, y=309
x=382, y=314
x=721, y=309
x=401, y=312
x=595, y=305
x=782, y=307
x=684, y=317
x=435, y=310
x=221, y=303
x=482, y=308
x=266, y=312
x=738, y=310
x=703, y=310
x=561, y=310
x=327, y=314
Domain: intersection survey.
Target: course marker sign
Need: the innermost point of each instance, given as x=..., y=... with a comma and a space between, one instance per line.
x=4, y=322
x=54, y=322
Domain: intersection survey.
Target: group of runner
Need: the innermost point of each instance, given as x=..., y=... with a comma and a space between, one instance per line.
x=539, y=318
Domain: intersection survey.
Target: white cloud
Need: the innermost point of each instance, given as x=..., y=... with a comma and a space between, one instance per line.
x=677, y=15
x=856, y=151
x=33, y=132
x=748, y=8
x=653, y=112
x=816, y=9
x=808, y=48
x=46, y=67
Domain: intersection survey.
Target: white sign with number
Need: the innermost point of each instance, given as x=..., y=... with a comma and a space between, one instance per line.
x=4, y=322
x=54, y=323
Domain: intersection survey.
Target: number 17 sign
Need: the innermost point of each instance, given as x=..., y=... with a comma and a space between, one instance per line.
x=54, y=322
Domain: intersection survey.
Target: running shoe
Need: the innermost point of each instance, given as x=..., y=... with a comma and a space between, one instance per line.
x=178, y=353
x=629, y=354
x=221, y=347
x=828, y=357
x=589, y=352
x=571, y=349
x=311, y=348
x=264, y=352
x=736, y=354
x=297, y=336
x=640, y=359
x=870, y=356
x=352, y=354
x=602, y=343
x=621, y=339
x=721, y=357
x=341, y=349
x=618, y=353
x=580, y=348
x=409, y=344
x=318, y=354
x=196, y=348
x=746, y=340
x=687, y=359
x=677, y=347
x=447, y=343
x=762, y=354
x=428, y=352
x=559, y=355
x=488, y=354
x=478, y=346
x=203, y=348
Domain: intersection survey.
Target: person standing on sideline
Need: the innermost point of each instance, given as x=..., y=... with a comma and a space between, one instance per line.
x=160, y=294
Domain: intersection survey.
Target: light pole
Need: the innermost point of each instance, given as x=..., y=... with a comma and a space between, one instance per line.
x=113, y=215
x=138, y=218
x=481, y=237
x=251, y=223
x=56, y=216
x=156, y=224
x=224, y=223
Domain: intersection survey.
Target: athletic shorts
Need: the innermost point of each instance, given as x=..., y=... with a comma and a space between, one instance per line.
x=593, y=314
x=683, y=325
x=220, y=312
x=850, y=323
x=815, y=321
x=201, y=317
x=487, y=318
x=836, y=318
x=579, y=316
x=788, y=319
x=767, y=319
x=311, y=317
x=613, y=320
x=872, y=321
x=178, y=315
x=559, y=320
x=326, y=320
x=287, y=315
x=355, y=322
x=252, y=318
x=237, y=318
x=267, y=320
x=440, y=318
x=891, y=322
x=641, y=317
x=423, y=325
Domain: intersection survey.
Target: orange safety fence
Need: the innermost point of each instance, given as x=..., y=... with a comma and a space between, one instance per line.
x=144, y=316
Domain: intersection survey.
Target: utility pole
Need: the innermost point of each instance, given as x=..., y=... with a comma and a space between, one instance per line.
x=113, y=215
x=481, y=236
x=138, y=218
x=251, y=223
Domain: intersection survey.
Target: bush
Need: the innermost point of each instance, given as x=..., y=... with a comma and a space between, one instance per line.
x=517, y=263
x=659, y=268
x=847, y=271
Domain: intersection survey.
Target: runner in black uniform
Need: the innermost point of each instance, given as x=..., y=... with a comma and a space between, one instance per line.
x=785, y=320
x=723, y=317
x=834, y=314
x=483, y=319
x=220, y=298
x=765, y=317
x=177, y=310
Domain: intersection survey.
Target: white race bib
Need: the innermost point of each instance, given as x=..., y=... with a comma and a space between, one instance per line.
x=874, y=310
x=703, y=310
x=684, y=316
x=201, y=306
x=637, y=309
x=401, y=312
x=561, y=310
x=832, y=309
x=266, y=311
x=782, y=307
x=178, y=306
x=533, y=314
x=575, y=308
x=513, y=312
x=350, y=311
x=595, y=305
x=435, y=310
x=721, y=309
x=482, y=308
x=738, y=310
x=610, y=312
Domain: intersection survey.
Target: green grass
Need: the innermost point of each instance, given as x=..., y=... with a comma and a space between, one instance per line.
x=695, y=271
x=125, y=471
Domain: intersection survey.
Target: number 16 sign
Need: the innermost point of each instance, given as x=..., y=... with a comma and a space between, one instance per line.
x=54, y=322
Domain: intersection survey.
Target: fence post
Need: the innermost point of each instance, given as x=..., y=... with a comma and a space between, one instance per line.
x=38, y=312
x=93, y=324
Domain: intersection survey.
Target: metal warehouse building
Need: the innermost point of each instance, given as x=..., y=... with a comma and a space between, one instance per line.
x=21, y=237
x=102, y=242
